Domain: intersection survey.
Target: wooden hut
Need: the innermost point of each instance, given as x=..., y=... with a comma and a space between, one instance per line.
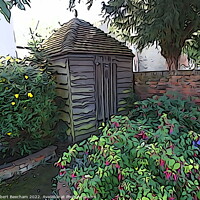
x=93, y=74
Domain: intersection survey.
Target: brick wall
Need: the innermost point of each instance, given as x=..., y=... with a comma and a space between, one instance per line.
x=148, y=84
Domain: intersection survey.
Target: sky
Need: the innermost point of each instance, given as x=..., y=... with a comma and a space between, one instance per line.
x=49, y=14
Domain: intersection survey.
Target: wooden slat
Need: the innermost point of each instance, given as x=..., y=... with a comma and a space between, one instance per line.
x=59, y=63
x=81, y=77
x=83, y=103
x=123, y=90
x=125, y=85
x=124, y=75
x=81, y=63
x=77, y=69
x=62, y=86
x=83, y=116
x=85, y=110
x=124, y=79
x=87, y=120
x=84, y=74
x=62, y=93
x=87, y=131
x=65, y=116
x=80, y=90
x=60, y=79
x=82, y=97
x=86, y=127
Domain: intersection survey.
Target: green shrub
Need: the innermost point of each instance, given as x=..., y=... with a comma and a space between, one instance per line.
x=27, y=108
x=174, y=105
x=154, y=157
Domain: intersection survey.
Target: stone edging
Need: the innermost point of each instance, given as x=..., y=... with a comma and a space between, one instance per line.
x=22, y=165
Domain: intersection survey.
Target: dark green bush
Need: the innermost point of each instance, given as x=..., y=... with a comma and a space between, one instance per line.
x=174, y=105
x=27, y=108
x=154, y=156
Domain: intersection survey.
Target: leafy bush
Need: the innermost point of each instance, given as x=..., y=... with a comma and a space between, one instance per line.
x=151, y=157
x=27, y=108
x=174, y=105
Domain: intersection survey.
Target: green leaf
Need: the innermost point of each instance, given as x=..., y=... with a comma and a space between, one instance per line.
x=4, y=10
x=171, y=162
x=145, y=198
x=169, y=152
x=176, y=166
x=198, y=195
x=93, y=138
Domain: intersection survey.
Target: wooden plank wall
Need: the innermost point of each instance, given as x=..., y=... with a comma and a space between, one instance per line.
x=124, y=80
x=82, y=71
x=62, y=89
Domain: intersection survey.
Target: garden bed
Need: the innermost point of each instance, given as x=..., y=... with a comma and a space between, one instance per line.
x=22, y=165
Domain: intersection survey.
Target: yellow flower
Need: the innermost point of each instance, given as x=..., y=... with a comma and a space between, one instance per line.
x=30, y=95
x=2, y=80
x=26, y=77
x=7, y=88
x=9, y=133
x=8, y=57
x=16, y=96
x=13, y=103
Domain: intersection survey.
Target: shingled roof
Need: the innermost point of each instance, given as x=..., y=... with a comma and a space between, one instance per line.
x=79, y=36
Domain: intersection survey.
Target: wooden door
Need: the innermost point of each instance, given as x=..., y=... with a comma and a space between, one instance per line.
x=106, y=92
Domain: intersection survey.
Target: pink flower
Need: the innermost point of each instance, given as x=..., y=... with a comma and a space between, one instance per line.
x=162, y=162
x=171, y=130
x=175, y=177
x=117, y=166
x=120, y=187
x=159, y=127
x=119, y=177
x=107, y=163
x=61, y=173
x=58, y=164
x=167, y=174
x=73, y=175
x=116, y=124
x=95, y=190
x=141, y=135
x=171, y=198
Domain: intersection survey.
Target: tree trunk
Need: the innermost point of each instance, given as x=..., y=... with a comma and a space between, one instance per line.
x=172, y=62
x=171, y=54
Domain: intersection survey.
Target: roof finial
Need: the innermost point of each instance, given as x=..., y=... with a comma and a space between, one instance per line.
x=75, y=13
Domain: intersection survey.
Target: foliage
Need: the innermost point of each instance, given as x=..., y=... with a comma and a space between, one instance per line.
x=154, y=156
x=27, y=108
x=5, y=7
x=167, y=23
x=174, y=105
x=37, y=55
x=192, y=48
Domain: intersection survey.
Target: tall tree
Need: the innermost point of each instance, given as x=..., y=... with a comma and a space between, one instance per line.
x=6, y=5
x=168, y=23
